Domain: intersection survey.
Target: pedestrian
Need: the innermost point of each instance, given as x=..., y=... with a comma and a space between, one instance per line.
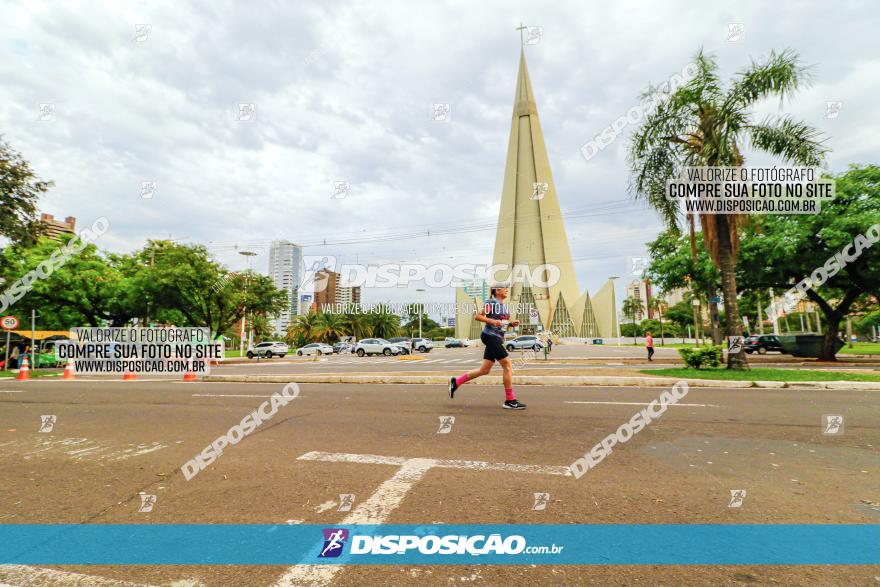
x=496, y=318
x=649, y=344
x=13, y=358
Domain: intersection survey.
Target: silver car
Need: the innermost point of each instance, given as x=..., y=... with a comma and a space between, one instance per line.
x=268, y=350
x=376, y=346
x=525, y=342
x=315, y=348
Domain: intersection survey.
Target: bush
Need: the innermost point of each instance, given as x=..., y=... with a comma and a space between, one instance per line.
x=697, y=357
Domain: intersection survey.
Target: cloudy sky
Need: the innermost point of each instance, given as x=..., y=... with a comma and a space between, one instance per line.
x=343, y=92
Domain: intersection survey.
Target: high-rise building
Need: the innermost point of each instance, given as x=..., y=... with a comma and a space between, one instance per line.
x=54, y=228
x=329, y=290
x=285, y=269
x=641, y=290
x=531, y=233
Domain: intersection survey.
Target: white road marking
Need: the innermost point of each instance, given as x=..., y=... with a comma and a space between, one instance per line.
x=22, y=575
x=647, y=404
x=390, y=494
x=227, y=395
x=13, y=391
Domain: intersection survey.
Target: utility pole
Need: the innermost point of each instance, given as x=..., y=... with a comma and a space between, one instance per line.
x=247, y=255
x=33, y=337
x=775, y=316
x=760, y=320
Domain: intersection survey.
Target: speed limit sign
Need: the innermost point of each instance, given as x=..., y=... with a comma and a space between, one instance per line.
x=9, y=322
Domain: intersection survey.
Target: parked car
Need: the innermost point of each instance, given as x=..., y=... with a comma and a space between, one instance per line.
x=422, y=344
x=376, y=346
x=268, y=349
x=404, y=348
x=402, y=340
x=453, y=343
x=315, y=348
x=526, y=341
x=762, y=344
x=342, y=347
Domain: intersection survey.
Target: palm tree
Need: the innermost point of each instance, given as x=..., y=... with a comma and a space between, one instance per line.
x=329, y=327
x=658, y=305
x=356, y=325
x=302, y=328
x=702, y=124
x=383, y=323
x=631, y=308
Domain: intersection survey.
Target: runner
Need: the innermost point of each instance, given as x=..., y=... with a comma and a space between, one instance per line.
x=649, y=344
x=495, y=316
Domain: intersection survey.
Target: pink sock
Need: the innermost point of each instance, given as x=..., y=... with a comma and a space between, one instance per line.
x=509, y=394
x=461, y=379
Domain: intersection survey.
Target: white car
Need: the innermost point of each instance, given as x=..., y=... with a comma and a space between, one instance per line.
x=377, y=346
x=315, y=348
x=422, y=344
x=268, y=349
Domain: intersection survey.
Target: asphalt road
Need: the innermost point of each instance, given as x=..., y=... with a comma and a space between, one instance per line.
x=459, y=360
x=112, y=440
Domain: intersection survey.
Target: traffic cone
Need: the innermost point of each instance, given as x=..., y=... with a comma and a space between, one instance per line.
x=128, y=376
x=188, y=375
x=69, y=370
x=24, y=372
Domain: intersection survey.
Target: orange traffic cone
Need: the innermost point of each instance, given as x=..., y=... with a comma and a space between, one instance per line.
x=68, y=370
x=24, y=372
x=188, y=375
x=128, y=376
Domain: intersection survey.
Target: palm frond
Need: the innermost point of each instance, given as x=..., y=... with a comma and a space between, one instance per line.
x=793, y=140
x=779, y=75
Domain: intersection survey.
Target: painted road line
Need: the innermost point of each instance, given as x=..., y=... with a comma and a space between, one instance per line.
x=389, y=495
x=646, y=404
x=13, y=391
x=15, y=575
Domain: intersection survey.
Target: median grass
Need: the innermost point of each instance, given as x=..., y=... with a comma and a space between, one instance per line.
x=762, y=374
x=861, y=348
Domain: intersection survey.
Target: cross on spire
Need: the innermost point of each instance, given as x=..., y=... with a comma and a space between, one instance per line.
x=521, y=28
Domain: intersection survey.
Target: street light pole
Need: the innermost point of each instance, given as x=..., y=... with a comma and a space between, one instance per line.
x=420, y=314
x=247, y=255
x=614, y=305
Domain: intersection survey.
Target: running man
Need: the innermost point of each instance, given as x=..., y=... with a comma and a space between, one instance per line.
x=496, y=317
x=649, y=344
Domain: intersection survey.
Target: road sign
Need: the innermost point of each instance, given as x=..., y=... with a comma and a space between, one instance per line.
x=715, y=300
x=9, y=322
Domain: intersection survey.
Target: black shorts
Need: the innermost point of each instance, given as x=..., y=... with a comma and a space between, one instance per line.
x=494, y=347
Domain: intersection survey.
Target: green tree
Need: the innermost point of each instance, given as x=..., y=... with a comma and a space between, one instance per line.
x=20, y=191
x=702, y=124
x=356, y=325
x=87, y=289
x=184, y=279
x=329, y=327
x=632, y=308
x=383, y=323
x=780, y=251
x=302, y=329
x=658, y=305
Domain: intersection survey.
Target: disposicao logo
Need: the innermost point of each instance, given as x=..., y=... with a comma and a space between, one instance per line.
x=334, y=540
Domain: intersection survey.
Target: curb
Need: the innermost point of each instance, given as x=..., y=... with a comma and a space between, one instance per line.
x=561, y=380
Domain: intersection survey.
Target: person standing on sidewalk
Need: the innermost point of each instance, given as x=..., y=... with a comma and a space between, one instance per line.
x=649, y=344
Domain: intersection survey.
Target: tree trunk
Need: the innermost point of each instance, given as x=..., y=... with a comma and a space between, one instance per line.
x=728, y=286
x=832, y=327
x=662, y=336
x=716, y=323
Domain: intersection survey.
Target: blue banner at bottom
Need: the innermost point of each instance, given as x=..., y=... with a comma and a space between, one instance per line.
x=251, y=544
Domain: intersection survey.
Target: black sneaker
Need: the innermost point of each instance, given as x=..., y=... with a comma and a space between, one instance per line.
x=452, y=387
x=513, y=404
